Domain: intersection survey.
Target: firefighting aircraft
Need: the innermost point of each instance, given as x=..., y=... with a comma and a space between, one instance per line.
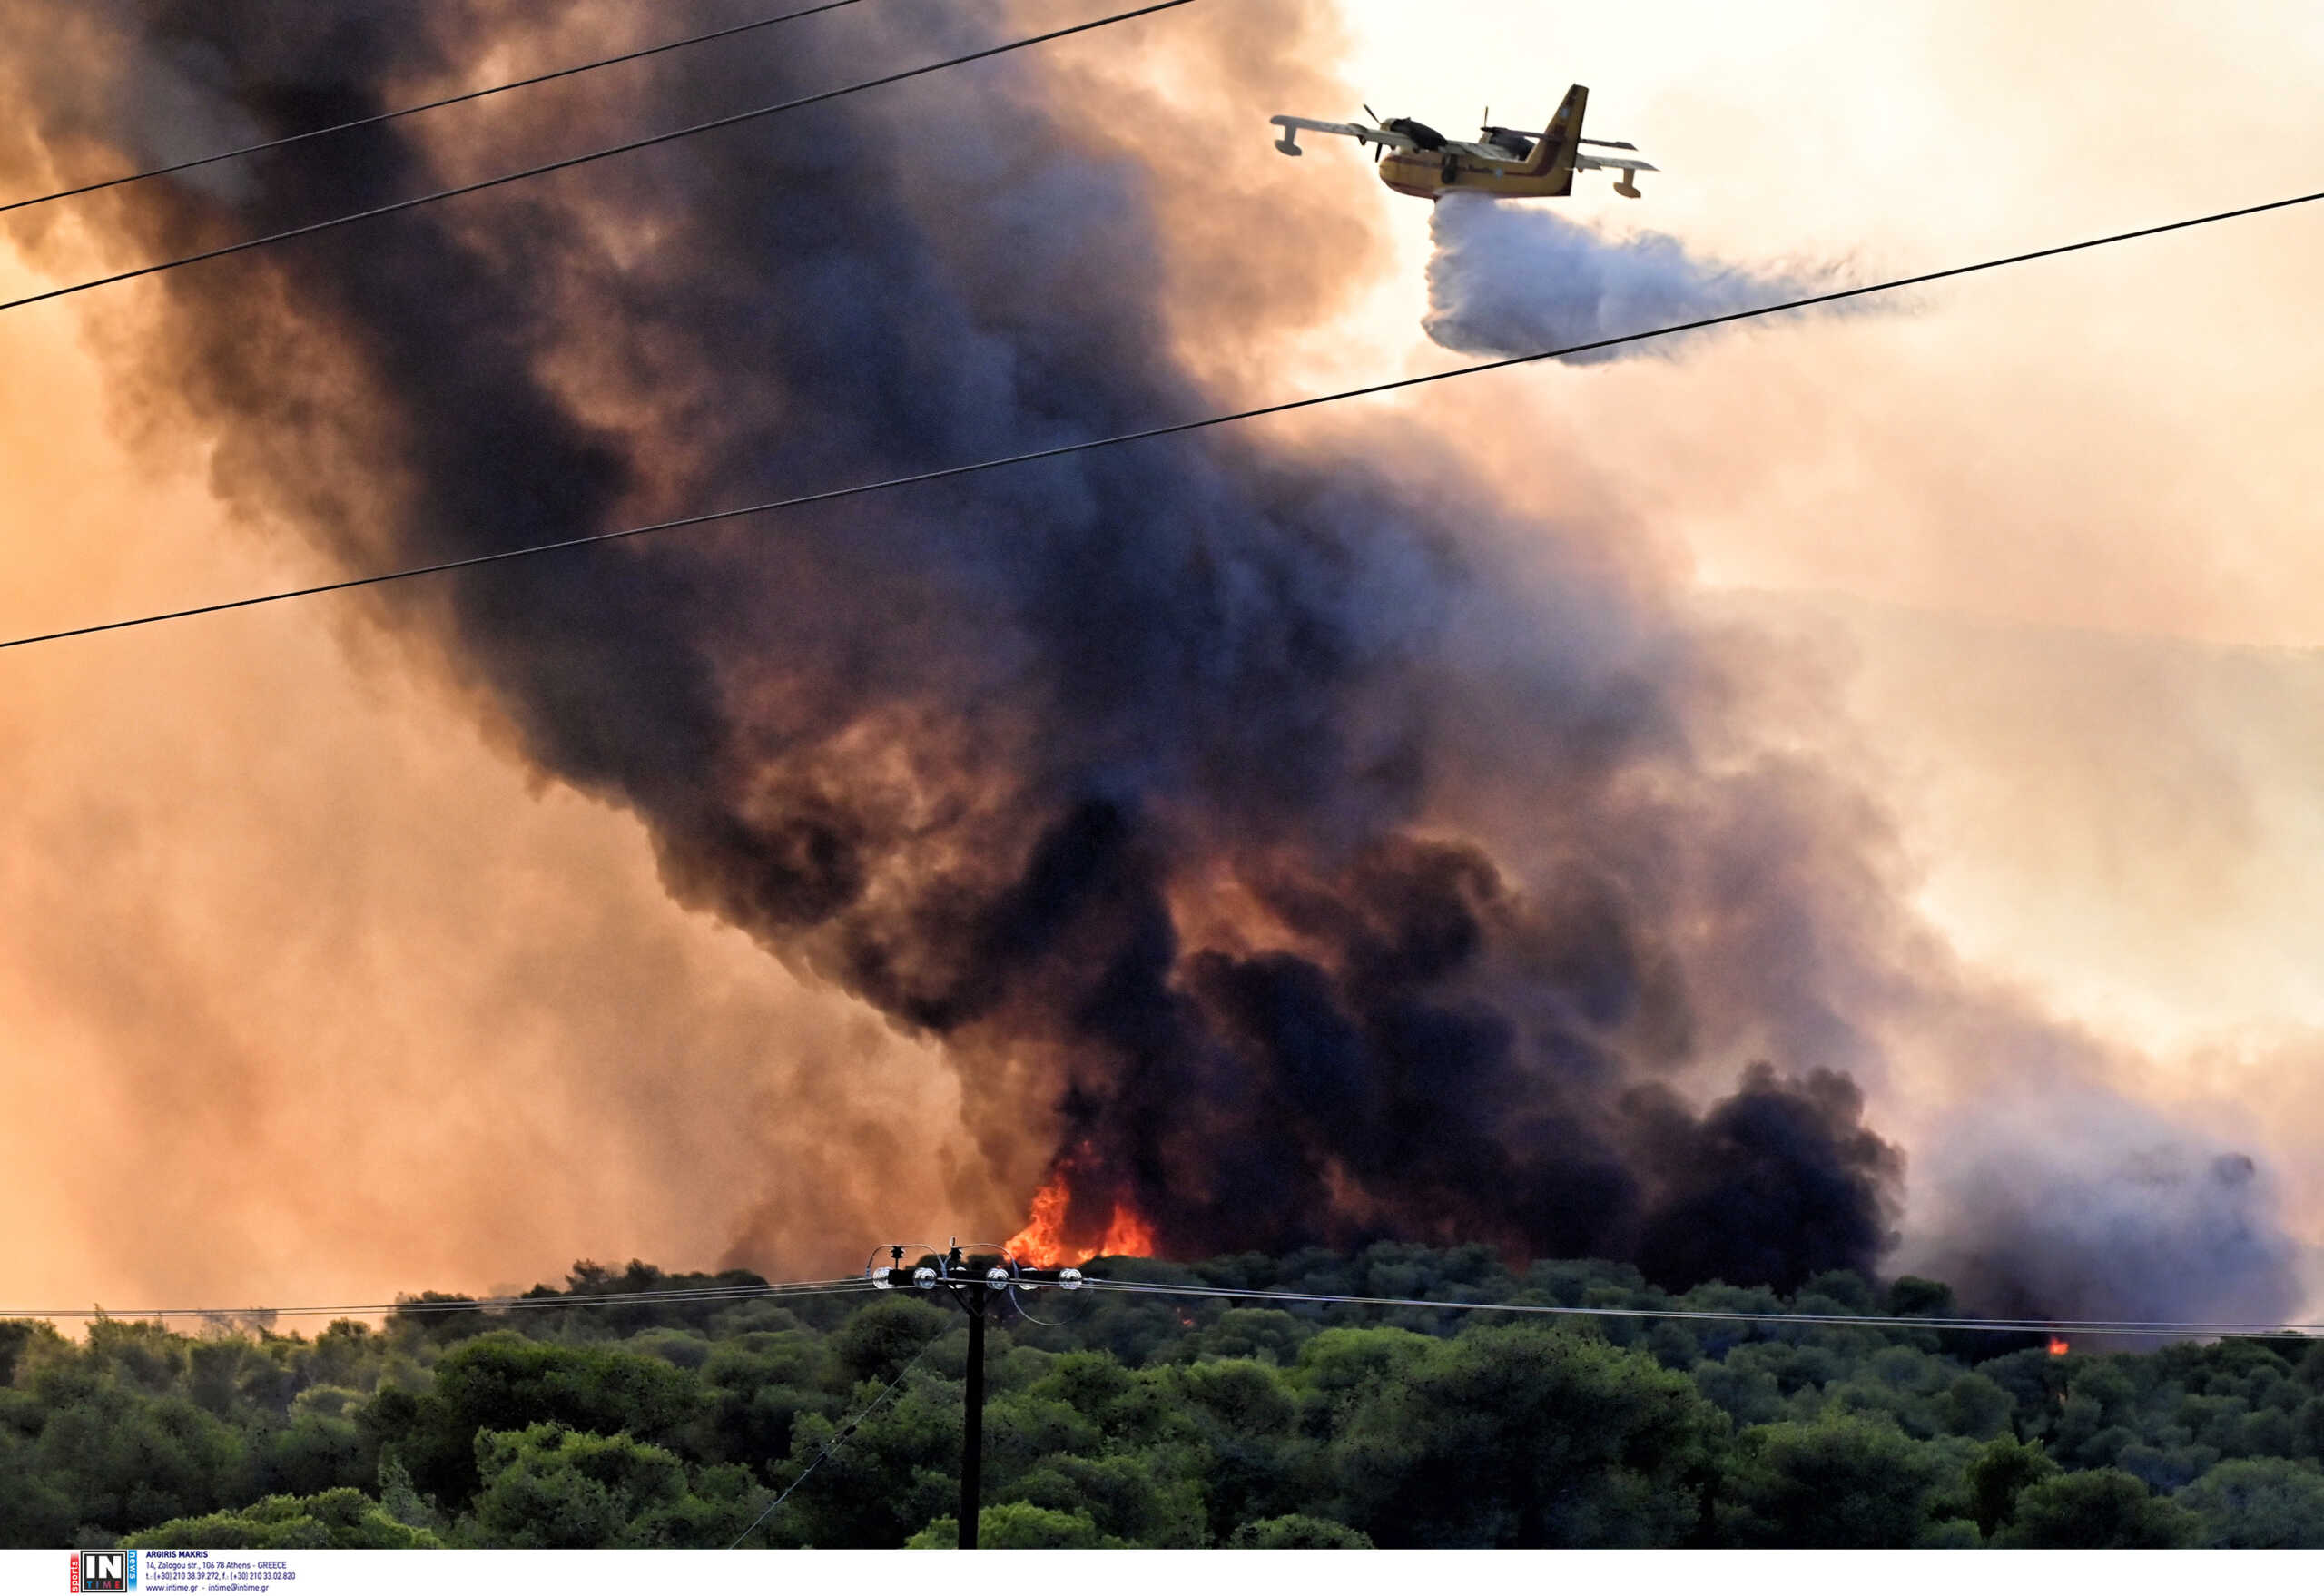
x=1508, y=165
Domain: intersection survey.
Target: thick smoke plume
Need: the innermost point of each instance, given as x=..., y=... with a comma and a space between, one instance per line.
x=1277, y=862
x=1516, y=279
x=2103, y=1202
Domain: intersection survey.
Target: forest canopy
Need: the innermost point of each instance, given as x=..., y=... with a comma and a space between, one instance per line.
x=1141, y=1420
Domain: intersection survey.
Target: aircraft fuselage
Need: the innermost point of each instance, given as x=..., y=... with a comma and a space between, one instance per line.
x=1432, y=174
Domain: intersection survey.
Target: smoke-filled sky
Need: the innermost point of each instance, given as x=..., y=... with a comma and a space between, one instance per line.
x=1417, y=819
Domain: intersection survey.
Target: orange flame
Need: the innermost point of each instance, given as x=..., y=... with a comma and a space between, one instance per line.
x=1044, y=1245
x=2059, y=1346
x=1040, y=1243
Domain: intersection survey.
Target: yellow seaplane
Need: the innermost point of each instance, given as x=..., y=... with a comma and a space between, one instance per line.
x=1505, y=164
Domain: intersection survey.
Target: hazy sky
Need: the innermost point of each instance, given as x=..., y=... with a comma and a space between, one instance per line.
x=2051, y=534
x=2056, y=529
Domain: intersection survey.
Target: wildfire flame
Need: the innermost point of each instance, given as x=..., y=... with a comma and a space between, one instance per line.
x=1044, y=1244
x=2059, y=1346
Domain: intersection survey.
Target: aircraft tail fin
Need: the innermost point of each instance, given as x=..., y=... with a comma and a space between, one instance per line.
x=1562, y=141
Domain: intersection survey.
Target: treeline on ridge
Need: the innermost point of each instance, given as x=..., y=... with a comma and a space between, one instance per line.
x=1143, y=1420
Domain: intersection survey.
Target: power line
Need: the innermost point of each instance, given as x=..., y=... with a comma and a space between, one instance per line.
x=1883, y=1321
x=570, y=161
x=853, y=1284
x=1063, y=450
x=838, y=1438
x=464, y=1304
x=374, y=120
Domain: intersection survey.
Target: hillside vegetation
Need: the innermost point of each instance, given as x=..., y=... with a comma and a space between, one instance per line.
x=1140, y=1420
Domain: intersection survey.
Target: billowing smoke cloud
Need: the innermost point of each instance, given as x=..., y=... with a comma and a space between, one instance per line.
x=1516, y=279
x=1276, y=862
x=2095, y=1200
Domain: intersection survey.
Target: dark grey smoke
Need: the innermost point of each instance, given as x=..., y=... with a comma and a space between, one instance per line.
x=1231, y=810
x=1516, y=279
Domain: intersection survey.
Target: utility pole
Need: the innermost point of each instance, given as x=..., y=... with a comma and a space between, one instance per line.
x=976, y=1295
x=974, y=1300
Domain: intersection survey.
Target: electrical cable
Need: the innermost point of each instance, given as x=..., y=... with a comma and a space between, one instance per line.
x=1018, y=1303
x=832, y=1445
x=1883, y=1321
x=373, y=120
x=1087, y=446
x=739, y=117
x=716, y=1294
x=856, y=1283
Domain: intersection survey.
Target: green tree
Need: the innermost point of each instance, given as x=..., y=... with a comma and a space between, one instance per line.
x=403, y=1504
x=1976, y=1407
x=1525, y=1436
x=36, y=1508
x=503, y=1383
x=547, y=1486
x=1298, y=1532
x=898, y=1468
x=1023, y=1428
x=1747, y=1394
x=1912, y=1296
x=127, y=1461
x=877, y=1343
x=1015, y=1526
x=135, y=1355
x=1948, y=1535
x=18, y=1337
x=760, y=1383
x=1152, y=1421
x=2259, y=1502
x=1338, y=1367
x=1840, y=1481
x=313, y=1453
x=2098, y=1509
x=1151, y=1498
x=437, y=1317
x=1246, y=1416
x=1999, y=1474
x=1268, y=1335
x=343, y=1519
x=345, y=1353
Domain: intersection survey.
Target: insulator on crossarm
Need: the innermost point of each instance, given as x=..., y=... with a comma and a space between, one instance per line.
x=924, y=1277
x=883, y=1279
x=1070, y=1278
x=997, y=1276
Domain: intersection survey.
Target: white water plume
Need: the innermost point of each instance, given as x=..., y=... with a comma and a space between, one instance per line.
x=1515, y=279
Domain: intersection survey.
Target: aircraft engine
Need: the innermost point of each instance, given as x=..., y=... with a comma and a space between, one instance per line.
x=1420, y=132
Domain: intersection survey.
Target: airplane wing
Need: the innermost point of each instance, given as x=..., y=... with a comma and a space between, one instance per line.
x=1626, y=160
x=1293, y=126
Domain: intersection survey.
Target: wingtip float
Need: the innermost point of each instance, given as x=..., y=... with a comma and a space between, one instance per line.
x=1506, y=163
